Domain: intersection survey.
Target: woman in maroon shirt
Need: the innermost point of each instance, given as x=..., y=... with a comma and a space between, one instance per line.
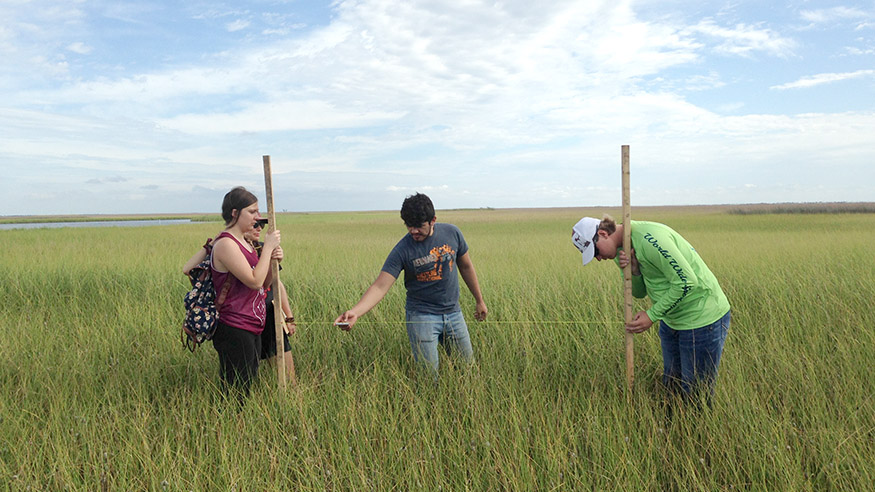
x=242, y=314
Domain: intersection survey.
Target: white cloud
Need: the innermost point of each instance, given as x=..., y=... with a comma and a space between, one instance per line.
x=237, y=25
x=129, y=12
x=79, y=47
x=834, y=14
x=413, y=67
x=853, y=50
x=823, y=78
x=282, y=116
x=53, y=67
x=216, y=12
x=148, y=88
x=744, y=39
x=414, y=189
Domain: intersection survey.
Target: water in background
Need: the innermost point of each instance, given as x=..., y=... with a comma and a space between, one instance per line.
x=95, y=223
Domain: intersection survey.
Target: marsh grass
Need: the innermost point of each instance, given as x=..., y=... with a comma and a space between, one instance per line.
x=98, y=392
x=805, y=208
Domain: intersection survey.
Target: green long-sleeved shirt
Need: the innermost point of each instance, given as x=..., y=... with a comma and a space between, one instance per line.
x=685, y=294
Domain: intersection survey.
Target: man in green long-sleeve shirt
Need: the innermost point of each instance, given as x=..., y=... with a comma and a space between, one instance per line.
x=692, y=310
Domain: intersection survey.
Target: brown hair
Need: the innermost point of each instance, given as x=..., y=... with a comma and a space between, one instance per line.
x=236, y=199
x=607, y=224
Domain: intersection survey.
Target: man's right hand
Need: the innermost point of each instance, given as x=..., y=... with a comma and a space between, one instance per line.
x=623, y=260
x=346, y=320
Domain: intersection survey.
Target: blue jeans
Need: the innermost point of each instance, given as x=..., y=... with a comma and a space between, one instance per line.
x=690, y=358
x=425, y=331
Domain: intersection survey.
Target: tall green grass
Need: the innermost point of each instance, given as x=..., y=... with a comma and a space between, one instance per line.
x=98, y=393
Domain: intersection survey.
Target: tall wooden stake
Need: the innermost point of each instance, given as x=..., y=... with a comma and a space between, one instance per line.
x=627, y=272
x=278, y=315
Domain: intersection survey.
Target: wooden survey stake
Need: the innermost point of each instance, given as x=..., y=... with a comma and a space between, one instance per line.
x=278, y=315
x=627, y=271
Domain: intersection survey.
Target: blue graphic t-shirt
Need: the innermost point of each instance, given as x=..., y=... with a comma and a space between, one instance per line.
x=430, y=273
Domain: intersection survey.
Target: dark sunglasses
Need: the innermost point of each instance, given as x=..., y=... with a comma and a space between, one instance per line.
x=260, y=223
x=595, y=244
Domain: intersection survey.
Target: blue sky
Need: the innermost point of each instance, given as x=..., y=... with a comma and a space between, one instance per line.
x=162, y=106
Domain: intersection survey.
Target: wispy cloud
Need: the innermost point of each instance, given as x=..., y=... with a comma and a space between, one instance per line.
x=823, y=78
x=855, y=51
x=745, y=39
x=79, y=47
x=237, y=25
x=344, y=76
x=834, y=14
x=128, y=12
x=277, y=117
x=110, y=179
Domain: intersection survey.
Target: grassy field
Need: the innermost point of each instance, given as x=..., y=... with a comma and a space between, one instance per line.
x=97, y=393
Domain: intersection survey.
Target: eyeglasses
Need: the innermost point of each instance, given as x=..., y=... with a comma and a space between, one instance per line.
x=260, y=223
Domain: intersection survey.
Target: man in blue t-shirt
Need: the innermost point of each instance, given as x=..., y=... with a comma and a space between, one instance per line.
x=429, y=255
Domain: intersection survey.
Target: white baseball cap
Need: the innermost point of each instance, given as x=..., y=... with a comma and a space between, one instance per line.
x=583, y=236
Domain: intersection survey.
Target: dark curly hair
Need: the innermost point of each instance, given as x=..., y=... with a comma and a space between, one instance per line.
x=416, y=210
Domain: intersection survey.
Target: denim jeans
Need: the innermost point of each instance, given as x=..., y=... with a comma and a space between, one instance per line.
x=425, y=331
x=690, y=358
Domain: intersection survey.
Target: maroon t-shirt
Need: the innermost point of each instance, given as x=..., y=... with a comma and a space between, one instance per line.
x=243, y=307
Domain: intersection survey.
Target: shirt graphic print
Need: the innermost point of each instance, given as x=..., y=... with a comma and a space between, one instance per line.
x=430, y=268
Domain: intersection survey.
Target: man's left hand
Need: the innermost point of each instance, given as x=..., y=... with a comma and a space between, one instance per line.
x=640, y=323
x=481, y=311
